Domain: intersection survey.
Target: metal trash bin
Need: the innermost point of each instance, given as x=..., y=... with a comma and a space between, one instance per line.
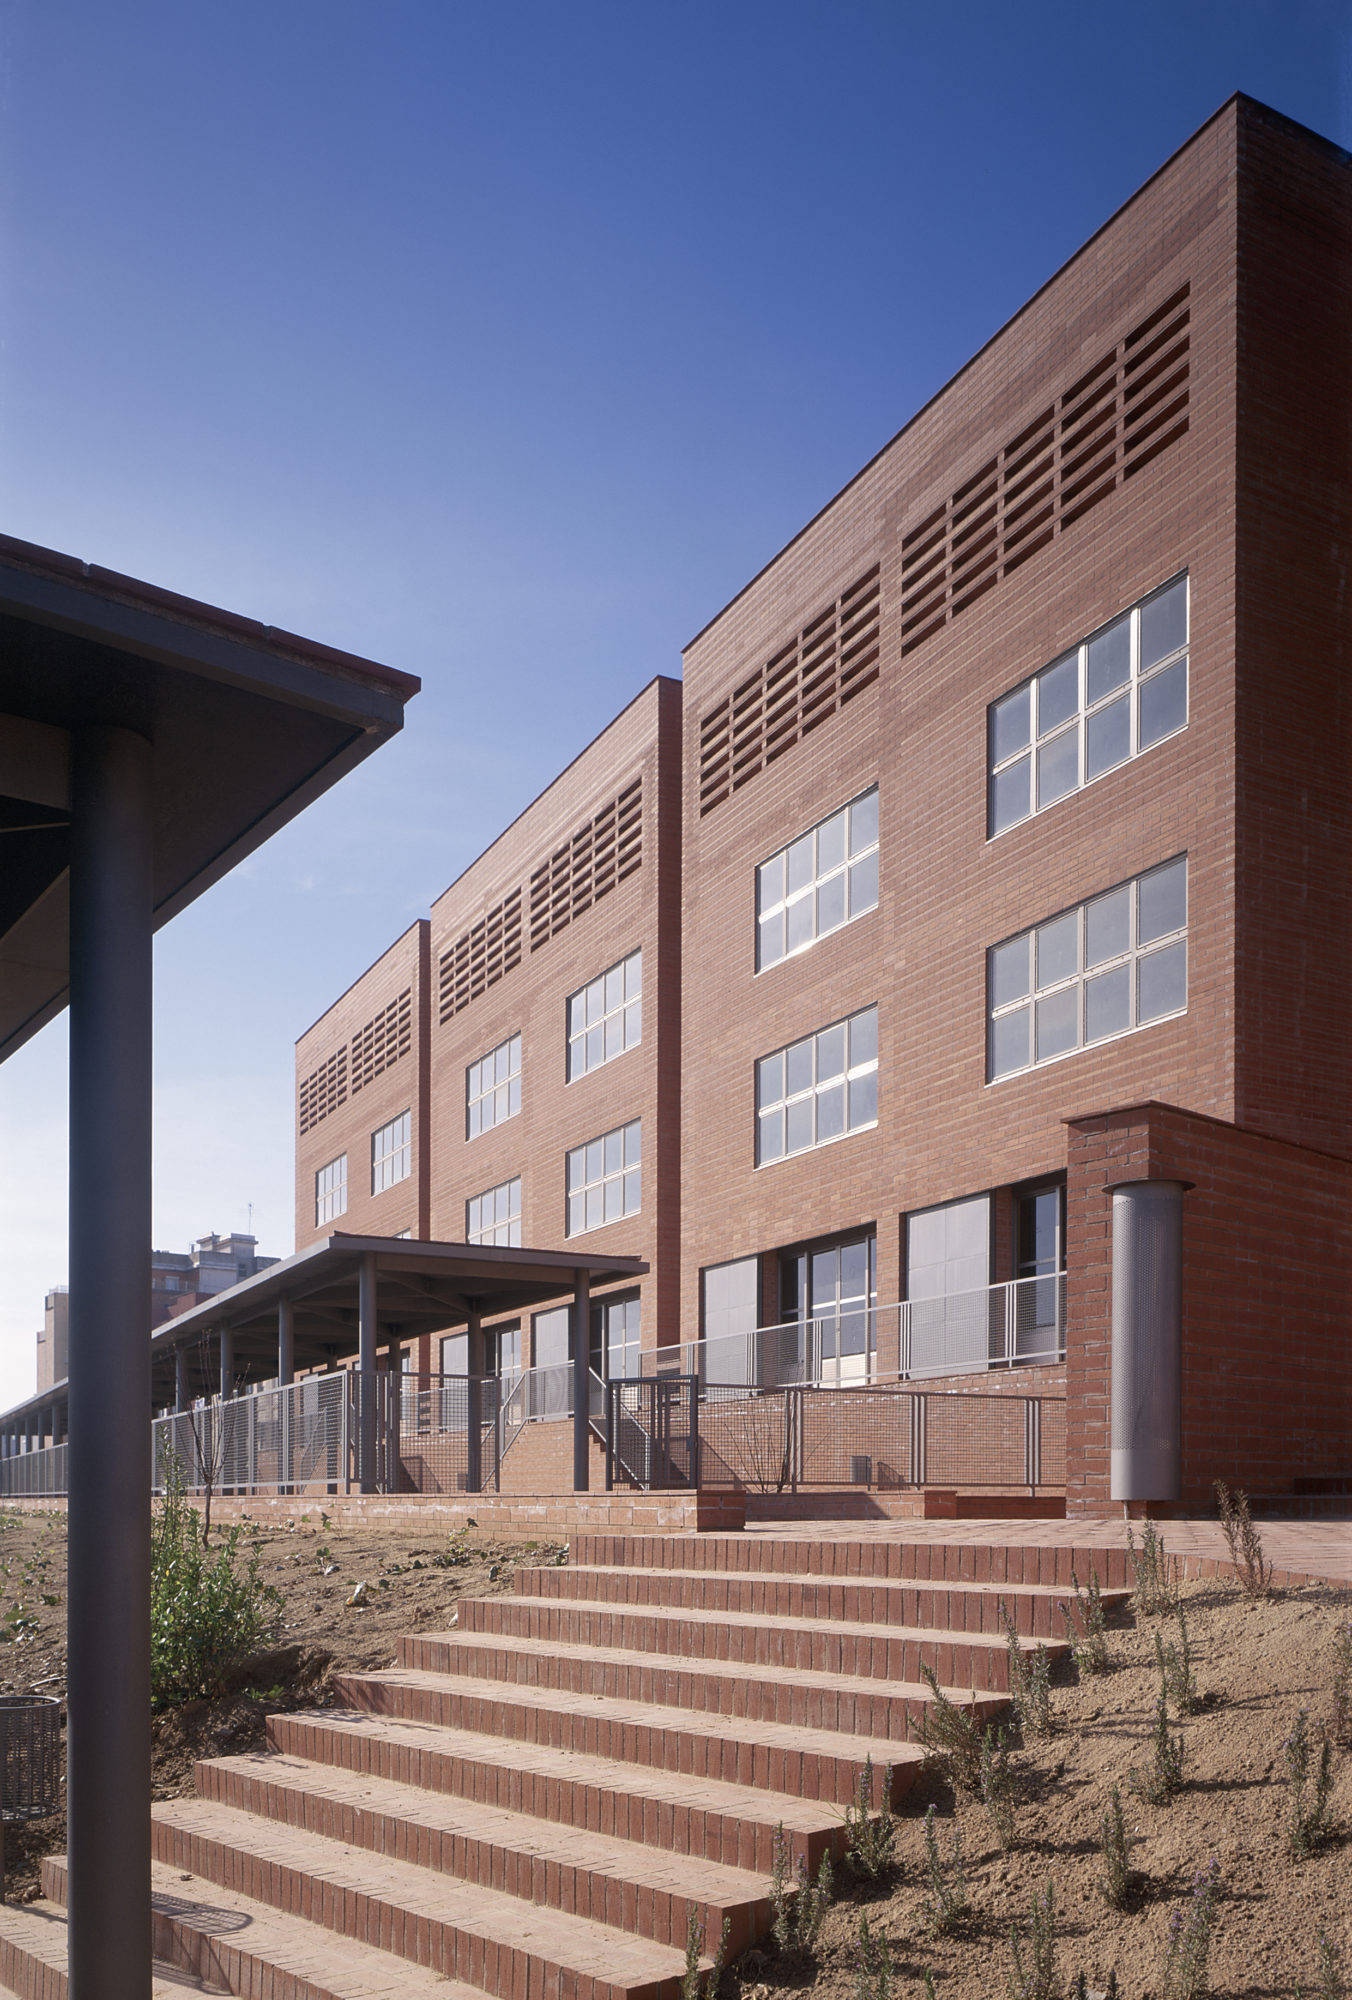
x=30, y=1762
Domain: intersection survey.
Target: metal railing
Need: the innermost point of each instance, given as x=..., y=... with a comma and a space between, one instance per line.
x=964, y=1333
x=34, y=1475
x=652, y=1432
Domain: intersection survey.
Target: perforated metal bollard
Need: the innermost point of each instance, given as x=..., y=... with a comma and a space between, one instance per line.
x=30, y=1762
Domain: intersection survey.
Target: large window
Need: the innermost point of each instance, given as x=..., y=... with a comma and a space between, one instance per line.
x=606, y=1017
x=1104, y=702
x=818, y=882
x=818, y=1089
x=615, y=1345
x=605, y=1179
x=391, y=1154
x=1114, y=964
x=493, y=1087
x=331, y=1191
x=495, y=1215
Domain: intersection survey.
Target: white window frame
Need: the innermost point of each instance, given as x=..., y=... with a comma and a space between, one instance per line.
x=618, y=1181
x=392, y=1153
x=493, y=1087
x=331, y=1191
x=1088, y=712
x=784, y=904
x=500, y=1223
x=605, y=1017
x=813, y=1088
x=1130, y=959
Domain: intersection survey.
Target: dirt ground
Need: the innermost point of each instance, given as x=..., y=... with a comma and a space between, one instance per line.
x=1255, y=1665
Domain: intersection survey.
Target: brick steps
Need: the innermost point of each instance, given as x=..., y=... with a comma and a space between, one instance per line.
x=788, y=1698
x=1047, y=1566
x=594, y=1875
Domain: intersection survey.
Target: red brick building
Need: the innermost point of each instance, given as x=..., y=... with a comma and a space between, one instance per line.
x=993, y=855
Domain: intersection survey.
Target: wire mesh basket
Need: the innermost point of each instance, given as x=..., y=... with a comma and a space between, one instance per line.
x=30, y=1761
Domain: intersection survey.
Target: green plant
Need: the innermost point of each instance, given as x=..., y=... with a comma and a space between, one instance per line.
x=1155, y=1571
x=1191, y=1928
x=1340, y=1726
x=997, y=1787
x=870, y=1838
x=694, y=1984
x=1030, y=1681
x=873, y=1968
x=928, y=1977
x=1243, y=1541
x=1039, y=1979
x=1088, y=1633
x=797, y=1902
x=1309, y=1783
x=1116, y=1843
x=1332, y=1985
x=1163, y=1776
x=1175, y=1665
x=950, y=1736
x=208, y=1609
x=948, y=1903
x=1080, y=1990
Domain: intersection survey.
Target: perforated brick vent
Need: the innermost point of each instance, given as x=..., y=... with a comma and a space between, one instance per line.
x=379, y=1045
x=1118, y=416
x=486, y=953
x=324, y=1089
x=600, y=854
x=832, y=659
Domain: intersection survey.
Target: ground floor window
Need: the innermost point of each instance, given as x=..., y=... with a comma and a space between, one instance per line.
x=615, y=1338
x=830, y=1290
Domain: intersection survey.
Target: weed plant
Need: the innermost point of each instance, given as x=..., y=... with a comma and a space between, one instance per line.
x=998, y=1786
x=1116, y=1843
x=871, y=1838
x=1088, y=1635
x=1039, y=1979
x=1188, y=1945
x=1243, y=1541
x=797, y=1902
x=948, y=1904
x=1030, y=1681
x=874, y=1972
x=696, y=1985
x=209, y=1609
x=927, y=1980
x=1155, y=1571
x=1340, y=1723
x=1332, y=1985
x=951, y=1737
x=1080, y=1988
x=1309, y=1781
x=1175, y=1665
x=1163, y=1775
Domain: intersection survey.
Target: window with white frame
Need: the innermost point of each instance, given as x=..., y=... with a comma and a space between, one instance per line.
x=1118, y=962
x=1101, y=704
x=606, y=1016
x=824, y=879
x=331, y=1191
x=495, y=1215
x=493, y=1088
x=391, y=1154
x=605, y=1179
x=819, y=1089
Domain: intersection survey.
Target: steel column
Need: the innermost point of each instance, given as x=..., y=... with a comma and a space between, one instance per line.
x=182, y=1388
x=286, y=1374
x=581, y=1382
x=474, y=1431
x=108, y=1596
x=366, y=1373
x=227, y=1380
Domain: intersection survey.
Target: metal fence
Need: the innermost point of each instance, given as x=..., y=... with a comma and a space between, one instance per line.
x=34, y=1475
x=652, y=1432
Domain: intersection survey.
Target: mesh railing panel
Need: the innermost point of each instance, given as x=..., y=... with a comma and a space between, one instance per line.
x=34, y=1475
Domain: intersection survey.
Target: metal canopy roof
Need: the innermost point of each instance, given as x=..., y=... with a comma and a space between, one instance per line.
x=248, y=724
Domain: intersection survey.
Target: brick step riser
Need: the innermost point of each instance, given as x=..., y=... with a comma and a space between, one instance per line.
x=883, y=1561
x=27, y=1977
x=732, y=1840
x=666, y=1683
x=802, y=1774
x=421, y=1939
x=974, y=1663
x=584, y=1892
x=949, y=1607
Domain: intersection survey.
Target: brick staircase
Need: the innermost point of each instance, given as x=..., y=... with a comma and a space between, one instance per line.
x=534, y=1803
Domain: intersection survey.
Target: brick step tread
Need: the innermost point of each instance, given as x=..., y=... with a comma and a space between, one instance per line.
x=884, y=1559
x=830, y=1598
x=346, y=1882
x=644, y=1798
x=283, y=1787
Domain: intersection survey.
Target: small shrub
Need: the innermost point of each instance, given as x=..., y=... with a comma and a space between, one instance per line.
x=1243, y=1541
x=1309, y=1783
x=1080, y=1988
x=208, y=1609
x=694, y=1984
x=1088, y=1634
x=948, y=1902
x=1039, y=1979
x=870, y=1838
x=1332, y=1985
x=1163, y=1775
x=1191, y=1929
x=950, y=1736
x=1030, y=1681
x=998, y=1787
x=1155, y=1571
x=1340, y=1726
x=873, y=1969
x=1116, y=1843
x=797, y=1903
x=1175, y=1665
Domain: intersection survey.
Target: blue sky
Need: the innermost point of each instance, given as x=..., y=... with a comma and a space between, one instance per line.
x=502, y=342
